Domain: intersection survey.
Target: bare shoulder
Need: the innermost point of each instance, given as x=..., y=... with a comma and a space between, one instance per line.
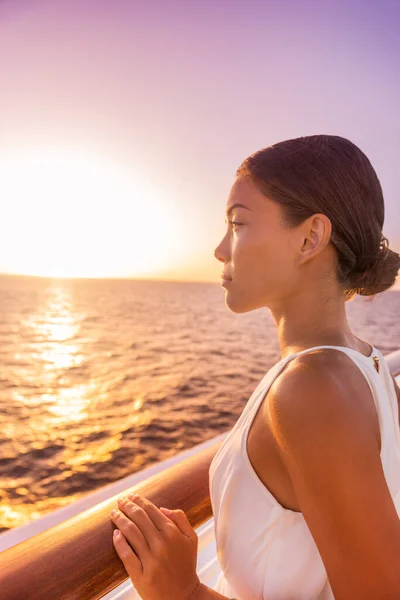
x=320, y=392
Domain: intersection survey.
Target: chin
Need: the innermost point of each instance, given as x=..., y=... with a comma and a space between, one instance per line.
x=238, y=305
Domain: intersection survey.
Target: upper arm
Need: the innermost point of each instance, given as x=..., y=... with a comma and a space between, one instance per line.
x=320, y=420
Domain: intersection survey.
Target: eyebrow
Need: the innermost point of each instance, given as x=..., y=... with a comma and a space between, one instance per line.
x=230, y=209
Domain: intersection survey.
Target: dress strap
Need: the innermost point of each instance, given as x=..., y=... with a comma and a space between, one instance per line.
x=374, y=356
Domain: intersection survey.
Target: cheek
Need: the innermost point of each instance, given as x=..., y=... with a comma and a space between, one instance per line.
x=252, y=253
x=267, y=258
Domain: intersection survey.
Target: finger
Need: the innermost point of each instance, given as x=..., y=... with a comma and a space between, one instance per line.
x=131, y=562
x=132, y=534
x=180, y=519
x=155, y=515
x=139, y=516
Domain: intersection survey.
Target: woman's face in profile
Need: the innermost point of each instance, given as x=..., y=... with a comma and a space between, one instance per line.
x=258, y=251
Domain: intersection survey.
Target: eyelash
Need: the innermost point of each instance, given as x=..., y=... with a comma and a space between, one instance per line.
x=235, y=223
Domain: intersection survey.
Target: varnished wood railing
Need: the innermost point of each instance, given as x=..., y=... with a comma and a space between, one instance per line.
x=76, y=559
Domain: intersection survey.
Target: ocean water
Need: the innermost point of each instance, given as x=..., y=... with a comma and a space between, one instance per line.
x=101, y=378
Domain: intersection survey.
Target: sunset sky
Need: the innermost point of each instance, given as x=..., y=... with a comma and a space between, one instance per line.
x=122, y=122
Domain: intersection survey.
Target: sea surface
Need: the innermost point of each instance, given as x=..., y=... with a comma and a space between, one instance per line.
x=101, y=378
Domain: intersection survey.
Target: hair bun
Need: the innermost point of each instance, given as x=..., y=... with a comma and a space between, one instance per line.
x=380, y=276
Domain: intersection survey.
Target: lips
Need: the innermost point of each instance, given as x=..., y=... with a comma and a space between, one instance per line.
x=226, y=282
x=226, y=278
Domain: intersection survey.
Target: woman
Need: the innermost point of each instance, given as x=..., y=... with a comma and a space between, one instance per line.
x=306, y=487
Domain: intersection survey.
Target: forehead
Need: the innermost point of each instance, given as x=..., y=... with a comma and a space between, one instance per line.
x=245, y=192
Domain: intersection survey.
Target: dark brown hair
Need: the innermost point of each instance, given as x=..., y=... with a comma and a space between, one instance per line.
x=329, y=174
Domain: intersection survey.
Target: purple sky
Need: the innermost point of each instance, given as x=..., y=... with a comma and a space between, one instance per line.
x=182, y=92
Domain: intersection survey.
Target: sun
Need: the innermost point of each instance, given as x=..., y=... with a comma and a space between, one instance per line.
x=70, y=215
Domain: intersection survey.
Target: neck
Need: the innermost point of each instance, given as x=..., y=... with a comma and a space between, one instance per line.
x=312, y=317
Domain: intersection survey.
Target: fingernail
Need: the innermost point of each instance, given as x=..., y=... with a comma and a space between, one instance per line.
x=116, y=533
x=114, y=512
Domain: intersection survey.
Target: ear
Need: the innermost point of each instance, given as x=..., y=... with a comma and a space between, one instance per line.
x=316, y=232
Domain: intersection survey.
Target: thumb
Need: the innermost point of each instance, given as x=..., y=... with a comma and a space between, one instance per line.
x=180, y=519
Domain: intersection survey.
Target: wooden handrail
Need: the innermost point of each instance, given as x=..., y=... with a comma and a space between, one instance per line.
x=76, y=560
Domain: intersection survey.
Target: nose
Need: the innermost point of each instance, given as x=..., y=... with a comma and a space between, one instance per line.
x=220, y=252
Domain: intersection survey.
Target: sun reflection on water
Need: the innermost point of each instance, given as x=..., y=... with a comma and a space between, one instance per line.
x=71, y=405
x=61, y=357
x=56, y=323
x=97, y=453
x=53, y=326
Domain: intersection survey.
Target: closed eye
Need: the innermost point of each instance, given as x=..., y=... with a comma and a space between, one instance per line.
x=235, y=223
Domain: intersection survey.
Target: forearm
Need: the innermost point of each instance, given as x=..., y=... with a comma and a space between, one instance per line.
x=206, y=593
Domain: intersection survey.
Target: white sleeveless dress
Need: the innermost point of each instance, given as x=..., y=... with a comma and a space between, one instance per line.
x=267, y=552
